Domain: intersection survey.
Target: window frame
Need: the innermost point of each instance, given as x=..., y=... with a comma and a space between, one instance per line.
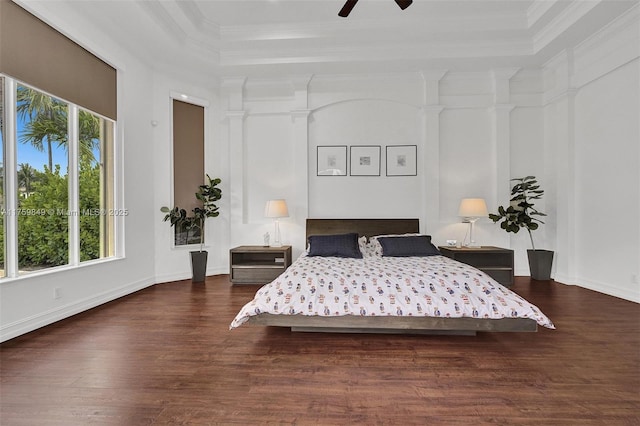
x=10, y=144
x=205, y=104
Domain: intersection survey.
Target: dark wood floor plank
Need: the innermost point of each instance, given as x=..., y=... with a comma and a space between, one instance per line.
x=164, y=355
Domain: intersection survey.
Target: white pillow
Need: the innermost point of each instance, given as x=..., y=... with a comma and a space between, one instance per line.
x=365, y=247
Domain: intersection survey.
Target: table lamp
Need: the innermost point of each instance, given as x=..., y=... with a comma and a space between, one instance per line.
x=276, y=209
x=472, y=209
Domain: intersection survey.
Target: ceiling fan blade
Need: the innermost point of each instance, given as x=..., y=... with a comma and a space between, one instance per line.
x=346, y=9
x=404, y=3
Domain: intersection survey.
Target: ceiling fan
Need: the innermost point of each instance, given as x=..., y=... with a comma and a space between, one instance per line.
x=348, y=6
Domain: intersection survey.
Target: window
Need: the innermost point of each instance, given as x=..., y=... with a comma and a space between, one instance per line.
x=188, y=163
x=58, y=174
x=42, y=181
x=95, y=174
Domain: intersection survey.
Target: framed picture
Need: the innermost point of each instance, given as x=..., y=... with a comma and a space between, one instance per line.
x=332, y=160
x=401, y=160
x=365, y=160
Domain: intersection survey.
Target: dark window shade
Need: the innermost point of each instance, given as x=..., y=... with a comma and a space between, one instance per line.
x=188, y=153
x=38, y=55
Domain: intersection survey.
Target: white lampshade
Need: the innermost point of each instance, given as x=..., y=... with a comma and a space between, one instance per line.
x=473, y=207
x=276, y=208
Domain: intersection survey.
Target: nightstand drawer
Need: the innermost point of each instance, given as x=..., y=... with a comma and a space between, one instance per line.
x=258, y=264
x=254, y=274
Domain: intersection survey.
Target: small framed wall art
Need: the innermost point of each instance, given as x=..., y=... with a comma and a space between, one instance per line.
x=332, y=160
x=365, y=160
x=401, y=160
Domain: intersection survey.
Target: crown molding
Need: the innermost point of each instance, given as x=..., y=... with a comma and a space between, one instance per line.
x=630, y=19
x=163, y=18
x=562, y=22
x=538, y=9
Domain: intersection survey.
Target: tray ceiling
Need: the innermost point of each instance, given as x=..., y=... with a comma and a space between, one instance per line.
x=244, y=37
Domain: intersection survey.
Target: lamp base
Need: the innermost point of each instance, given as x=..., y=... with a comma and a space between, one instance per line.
x=472, y=242
x=276, y=242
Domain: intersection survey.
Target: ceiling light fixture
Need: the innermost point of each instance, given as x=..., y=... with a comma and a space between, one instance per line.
x=350, y=4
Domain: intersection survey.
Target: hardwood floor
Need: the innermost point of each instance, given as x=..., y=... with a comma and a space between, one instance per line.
x=164, y=355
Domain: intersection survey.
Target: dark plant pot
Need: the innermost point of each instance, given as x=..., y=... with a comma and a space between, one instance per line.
x=198, y=266
x=540, y=262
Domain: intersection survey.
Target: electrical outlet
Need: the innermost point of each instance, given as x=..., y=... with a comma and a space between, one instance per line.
x=634, y=278
x=56, y=293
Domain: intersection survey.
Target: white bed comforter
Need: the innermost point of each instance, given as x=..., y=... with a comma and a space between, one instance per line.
x=434, y=286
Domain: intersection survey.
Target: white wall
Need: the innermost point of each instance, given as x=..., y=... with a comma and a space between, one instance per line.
x=28, y=303
x=450, y=117
x=593, y=132
x=607, y=178
x=358, y=123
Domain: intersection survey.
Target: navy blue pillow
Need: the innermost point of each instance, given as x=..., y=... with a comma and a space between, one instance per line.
x=339, y=245
x=413, y=245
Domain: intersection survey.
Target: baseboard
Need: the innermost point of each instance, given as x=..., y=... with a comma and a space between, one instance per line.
x=600, y=287
x=17, y=328
x=622, y=293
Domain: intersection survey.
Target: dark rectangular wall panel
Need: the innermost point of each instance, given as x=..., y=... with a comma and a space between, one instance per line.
x=36, y=54
x=188, y=153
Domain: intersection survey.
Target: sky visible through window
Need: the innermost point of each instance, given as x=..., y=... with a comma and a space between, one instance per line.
x=28, y=154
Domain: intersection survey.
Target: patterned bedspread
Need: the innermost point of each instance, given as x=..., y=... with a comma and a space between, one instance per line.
x=433, y=286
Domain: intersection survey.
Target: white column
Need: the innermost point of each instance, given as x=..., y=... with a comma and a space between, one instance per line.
x=565, y=188
x=300, y=137
x=431, y=161
x=300, y=119
x=501, y=141
x=237, y=172
x=501, y=131
x=11, y=181
x=430, y=183
x=235, y=116
x=301, y=90
x=73, y=186
x=560, y=165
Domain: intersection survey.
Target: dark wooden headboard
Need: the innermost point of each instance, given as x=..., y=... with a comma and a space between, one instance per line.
x=368, y=227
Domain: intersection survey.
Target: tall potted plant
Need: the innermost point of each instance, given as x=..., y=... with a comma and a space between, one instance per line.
x=208, y=194
x=521, y=213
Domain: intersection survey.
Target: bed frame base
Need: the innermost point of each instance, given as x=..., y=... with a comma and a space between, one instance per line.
x=395, y=325
x=382, y=331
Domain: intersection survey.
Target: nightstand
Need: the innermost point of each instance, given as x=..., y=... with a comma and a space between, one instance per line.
x=258, y=264
x=494, y=261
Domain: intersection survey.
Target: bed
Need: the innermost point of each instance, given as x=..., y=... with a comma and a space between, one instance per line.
x=395, y=293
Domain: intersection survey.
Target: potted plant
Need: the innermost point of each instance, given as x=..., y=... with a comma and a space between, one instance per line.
x=522, y=214
x=208, y=194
